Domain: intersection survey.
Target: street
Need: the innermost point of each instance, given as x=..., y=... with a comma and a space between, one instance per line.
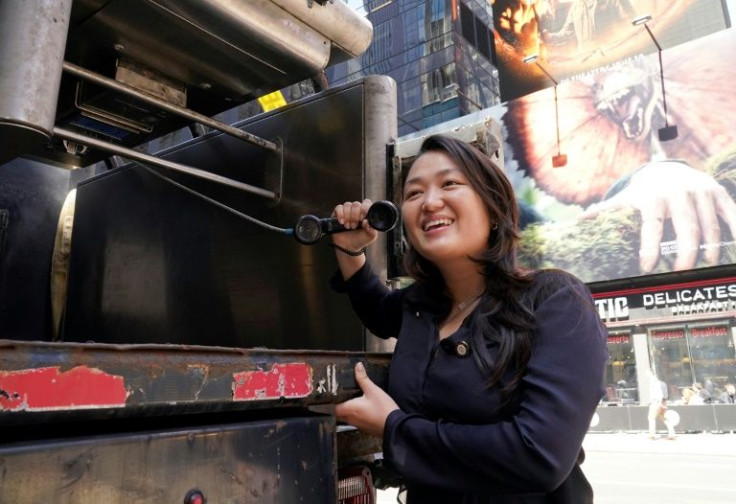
x=630, y=468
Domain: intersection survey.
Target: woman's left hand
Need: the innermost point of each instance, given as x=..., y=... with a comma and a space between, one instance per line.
x=369, y=412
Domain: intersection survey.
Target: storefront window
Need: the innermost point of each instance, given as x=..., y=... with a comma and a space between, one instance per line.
x=693, y=353
x=671, y=359
x=712, y=353
x=621, y=384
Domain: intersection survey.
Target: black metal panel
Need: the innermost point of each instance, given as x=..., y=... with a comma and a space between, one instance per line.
x=152, y=263
x=725, y=415
x=266, y=461
x=613, y=419
x=31, y=194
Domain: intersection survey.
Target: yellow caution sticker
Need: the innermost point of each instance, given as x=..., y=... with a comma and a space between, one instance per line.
x=272, y=101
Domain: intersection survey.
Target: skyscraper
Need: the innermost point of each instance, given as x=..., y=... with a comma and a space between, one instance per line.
x=439, y=52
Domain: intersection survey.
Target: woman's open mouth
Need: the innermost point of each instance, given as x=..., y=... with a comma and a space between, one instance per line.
x=435, y=224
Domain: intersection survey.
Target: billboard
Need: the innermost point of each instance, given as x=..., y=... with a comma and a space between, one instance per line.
x=625, y=203
x=573, y=36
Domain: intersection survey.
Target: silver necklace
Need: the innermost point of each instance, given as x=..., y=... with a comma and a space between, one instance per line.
x=467, y=302
x=461, y=306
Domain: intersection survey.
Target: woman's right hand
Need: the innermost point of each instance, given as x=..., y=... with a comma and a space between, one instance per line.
x=352, y=215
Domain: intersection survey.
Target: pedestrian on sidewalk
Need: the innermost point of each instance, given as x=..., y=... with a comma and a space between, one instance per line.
x=658, y=406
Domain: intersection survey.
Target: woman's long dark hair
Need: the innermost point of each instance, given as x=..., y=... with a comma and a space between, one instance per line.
x=507, y=317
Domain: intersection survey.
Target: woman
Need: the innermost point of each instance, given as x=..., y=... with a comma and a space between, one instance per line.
x=497, y=371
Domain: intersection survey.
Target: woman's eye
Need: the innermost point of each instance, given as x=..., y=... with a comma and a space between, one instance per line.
x=448, y=183
x=411, y=194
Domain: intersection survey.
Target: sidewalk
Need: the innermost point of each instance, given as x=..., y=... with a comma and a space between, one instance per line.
x=712, y=444
x=636, y=443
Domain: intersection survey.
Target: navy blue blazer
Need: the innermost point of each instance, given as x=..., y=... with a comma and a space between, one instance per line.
x=454, y=440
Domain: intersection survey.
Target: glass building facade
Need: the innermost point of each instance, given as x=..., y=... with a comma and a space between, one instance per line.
x=439, y=52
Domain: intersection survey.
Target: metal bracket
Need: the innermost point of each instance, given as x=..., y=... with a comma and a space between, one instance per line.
x=275, y=147
x=274, y=174
x=162, y=163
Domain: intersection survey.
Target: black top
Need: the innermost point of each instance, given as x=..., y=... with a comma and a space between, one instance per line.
x=452, y=440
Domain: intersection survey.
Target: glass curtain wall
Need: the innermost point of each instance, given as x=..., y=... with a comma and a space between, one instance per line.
x=439, y=52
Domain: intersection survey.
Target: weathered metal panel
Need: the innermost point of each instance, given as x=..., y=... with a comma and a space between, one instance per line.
x=151, y=263
x=41, y=382
x=283, y=460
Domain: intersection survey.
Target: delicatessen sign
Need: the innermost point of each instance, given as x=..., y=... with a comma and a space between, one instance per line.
x=712, y=296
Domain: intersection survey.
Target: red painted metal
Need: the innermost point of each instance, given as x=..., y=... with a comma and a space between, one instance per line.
x=169, y=379
x=290, y=380
x=49, y=388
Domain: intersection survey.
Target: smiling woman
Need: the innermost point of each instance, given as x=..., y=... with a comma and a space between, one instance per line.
x=444, y=216
x=497, y=370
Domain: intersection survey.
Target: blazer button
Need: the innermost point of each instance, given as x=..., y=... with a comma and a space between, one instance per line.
x=462, y=349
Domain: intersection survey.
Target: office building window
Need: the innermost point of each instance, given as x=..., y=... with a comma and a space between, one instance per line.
x=477, y=32
x=411, y=94
x=437, y=85
x=375, y=5
x=376, y=60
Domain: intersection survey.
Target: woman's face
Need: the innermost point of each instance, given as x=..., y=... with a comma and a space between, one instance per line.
x=444, y=217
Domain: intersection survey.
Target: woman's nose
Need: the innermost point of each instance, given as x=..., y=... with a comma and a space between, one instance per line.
x=432, y=200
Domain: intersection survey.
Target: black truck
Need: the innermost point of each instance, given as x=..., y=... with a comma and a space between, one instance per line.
x=163, y=336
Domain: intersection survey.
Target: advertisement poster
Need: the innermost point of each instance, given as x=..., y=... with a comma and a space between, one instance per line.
x=625, y=203
x=571, y=37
